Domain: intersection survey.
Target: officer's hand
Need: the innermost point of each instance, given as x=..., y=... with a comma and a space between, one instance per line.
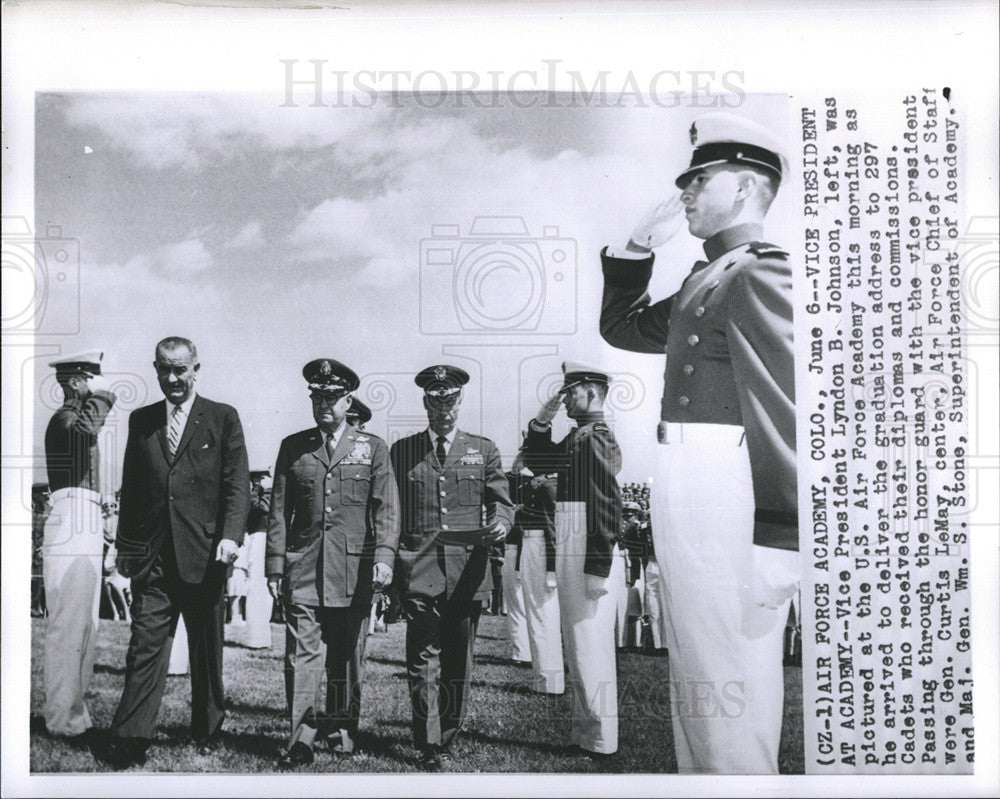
x=549, y=409
x=99, y=383
x=595, y=586
x=227, y=551
x=659, y=225
x=498, y=533
x=274, y=587
x=775, y=576
x=550, y=579
x=382, y=576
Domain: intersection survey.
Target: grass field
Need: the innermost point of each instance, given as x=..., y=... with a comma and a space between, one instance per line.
x=510, y=729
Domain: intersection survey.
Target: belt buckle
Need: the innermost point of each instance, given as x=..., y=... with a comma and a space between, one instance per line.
x=661, y=433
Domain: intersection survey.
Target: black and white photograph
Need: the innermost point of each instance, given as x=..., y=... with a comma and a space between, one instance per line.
x=607, y=425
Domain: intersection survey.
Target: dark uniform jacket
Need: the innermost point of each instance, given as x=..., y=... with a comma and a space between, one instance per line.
x=535, y=498
x=72, y=458
x=727, y=334
x=198, y=497
x=331, y=519
x=588, y=460
x=467, y=493
x=260, y=507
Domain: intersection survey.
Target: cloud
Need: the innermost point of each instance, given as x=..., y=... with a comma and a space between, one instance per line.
x=249, y=237
x=179, y=260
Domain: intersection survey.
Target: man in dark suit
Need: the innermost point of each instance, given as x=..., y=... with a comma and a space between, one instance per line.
x=184, y=501
x=331, y=541
x=451, y=484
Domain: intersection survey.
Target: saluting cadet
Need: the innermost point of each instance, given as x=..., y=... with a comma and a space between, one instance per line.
x=73, y=543
x=331, y=541
x=588, y=518
x=724, y=496
x=450, y=482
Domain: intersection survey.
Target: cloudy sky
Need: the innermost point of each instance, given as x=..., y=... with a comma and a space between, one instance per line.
x=271, y=236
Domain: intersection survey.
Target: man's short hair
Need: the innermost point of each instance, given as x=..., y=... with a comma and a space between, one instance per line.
x=171, y=343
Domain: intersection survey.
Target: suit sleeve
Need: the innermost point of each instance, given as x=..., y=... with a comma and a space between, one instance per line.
x=130, y=497
x=383, y=503
x=597, y=461
x=759, y=331
x=496, y=496
x=235, y=493
x=628, y=320
x=278, y=518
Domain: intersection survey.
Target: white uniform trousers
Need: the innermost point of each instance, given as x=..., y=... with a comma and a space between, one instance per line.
x=541, y=607
x=259, y=602
x=588, y=627
x=653, y=603
x=513, y=600
x=726, y=677
x=618, y=585
x=73, y=554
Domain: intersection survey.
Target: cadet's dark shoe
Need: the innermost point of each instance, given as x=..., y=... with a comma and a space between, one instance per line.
x=298, y=755
x=123, y=753
x=430, y=759
x=210, y=745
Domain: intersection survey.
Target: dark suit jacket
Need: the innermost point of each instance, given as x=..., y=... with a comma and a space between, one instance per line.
x=470, y=491
x=331, y=518
x=199, y=497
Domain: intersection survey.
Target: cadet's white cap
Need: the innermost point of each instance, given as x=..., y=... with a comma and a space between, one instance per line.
x=722, y=138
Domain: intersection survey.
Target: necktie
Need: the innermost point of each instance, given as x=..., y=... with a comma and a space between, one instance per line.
x=174, y=429
x=440, y=451
x=331, y=445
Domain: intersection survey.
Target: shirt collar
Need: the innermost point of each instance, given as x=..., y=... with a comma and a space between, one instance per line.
x=588, y=418
x=336, y=434
x=722, y=242
x=185, y=407
x=450, y=437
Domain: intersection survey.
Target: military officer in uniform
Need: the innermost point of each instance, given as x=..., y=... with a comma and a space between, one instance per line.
x=358, y=414
x=588, y=565
x=455, y=503
x=724, y=496
x=73, y=541
x=331, y=542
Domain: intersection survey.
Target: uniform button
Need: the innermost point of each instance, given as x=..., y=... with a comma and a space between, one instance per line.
x=329, y=491
x=441, y=478
x=688, y=369
x=693, y=339
x=444, y=493
x=444, y=526
x=329, y=510
x=683, y=401
x=444, y=510
x=699, y=311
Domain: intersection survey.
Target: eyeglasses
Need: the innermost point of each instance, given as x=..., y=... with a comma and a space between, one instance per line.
x=327, y=399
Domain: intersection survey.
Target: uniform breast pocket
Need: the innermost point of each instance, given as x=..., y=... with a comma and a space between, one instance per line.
x=470, y=486
x=355, y=480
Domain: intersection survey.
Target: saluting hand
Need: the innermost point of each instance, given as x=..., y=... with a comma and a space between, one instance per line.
x=274, y=587
x=499, y=534
x=659, y=225
x=549, y=409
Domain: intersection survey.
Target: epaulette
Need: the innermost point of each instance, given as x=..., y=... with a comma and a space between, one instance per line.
x=762, y=249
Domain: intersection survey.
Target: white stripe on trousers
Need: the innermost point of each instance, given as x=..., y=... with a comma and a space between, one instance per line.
x=588, y=627
x=726, y=676
x=541, y=606
x=513, y=602
x=73, y=550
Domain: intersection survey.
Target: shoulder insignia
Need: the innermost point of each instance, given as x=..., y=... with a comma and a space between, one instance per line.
x=762, y=249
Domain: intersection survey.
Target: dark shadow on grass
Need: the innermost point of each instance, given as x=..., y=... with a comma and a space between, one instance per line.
x=104, y=668
x=495, y=660
x=386, y=661
x=559, y=750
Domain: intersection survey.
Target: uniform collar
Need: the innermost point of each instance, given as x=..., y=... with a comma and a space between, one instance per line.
x=335, y=435
x=590, y=418
x=722, y=242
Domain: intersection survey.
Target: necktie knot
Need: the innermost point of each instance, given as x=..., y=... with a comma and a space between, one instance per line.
x=331, y=445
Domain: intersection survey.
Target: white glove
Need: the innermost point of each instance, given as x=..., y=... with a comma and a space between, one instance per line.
x=549, y=409
x=266, y=483
x=775, y=576
x=595, y=586
x=381, y=576
x=99, y=383
x=550, y=579
x=660, y=224
x=274, y=587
